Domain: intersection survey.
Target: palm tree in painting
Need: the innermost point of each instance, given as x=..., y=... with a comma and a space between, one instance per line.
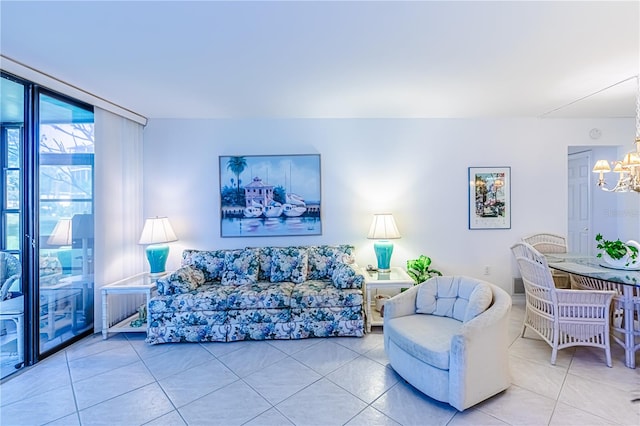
x=236, y=165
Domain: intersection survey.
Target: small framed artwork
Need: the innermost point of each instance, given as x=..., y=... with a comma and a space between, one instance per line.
x=489, y=197
x=270, y=195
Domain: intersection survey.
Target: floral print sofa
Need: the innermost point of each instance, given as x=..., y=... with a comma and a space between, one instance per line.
x=259, y=293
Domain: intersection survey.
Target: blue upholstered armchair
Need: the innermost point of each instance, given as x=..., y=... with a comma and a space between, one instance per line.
x=448, y=337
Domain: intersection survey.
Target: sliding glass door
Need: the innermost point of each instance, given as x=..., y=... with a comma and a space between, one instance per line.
x=46, y=222
x=65, y=207
x=12, y=318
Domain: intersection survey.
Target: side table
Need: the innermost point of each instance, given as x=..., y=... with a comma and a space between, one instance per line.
x=397, y=278
x=142, y=283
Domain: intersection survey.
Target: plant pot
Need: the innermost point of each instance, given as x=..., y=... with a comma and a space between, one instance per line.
x=625, y=262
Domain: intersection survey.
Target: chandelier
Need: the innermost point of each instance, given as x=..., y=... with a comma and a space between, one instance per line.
x=628, y=168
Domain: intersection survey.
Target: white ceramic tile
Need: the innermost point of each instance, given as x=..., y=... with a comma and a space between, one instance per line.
x=370, y=416
x=364, y=378
x=145, y=350
x=534, y=349
x=475, y=417
x=189, y=385
x=39, y=409
x=600, y=399
x=282, y=379
x=136, y=407
x=221, y=348
x=519, y=406
x=361, y=344
x=378, y=355
x=91, y=365
x=292, y=346
x=234, y=404
x=110, y=384
x=589, y=363
x=171, y=419
x=94, y=344
x=70, y=420
x=43, y=377
x=407, y=406
x=325, y=357
x=323, y=403
x=565, y=415
x=179, y=359
x=251, y=358
x=271, y=417
x=544, y=379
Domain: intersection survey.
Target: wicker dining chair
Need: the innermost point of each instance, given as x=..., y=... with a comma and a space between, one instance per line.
x=562, y=317
x=547, y=243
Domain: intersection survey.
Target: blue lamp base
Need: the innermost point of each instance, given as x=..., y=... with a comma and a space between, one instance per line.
x=157, y=256
x=383, y=250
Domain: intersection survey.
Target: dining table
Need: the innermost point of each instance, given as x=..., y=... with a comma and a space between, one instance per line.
x=591, y=272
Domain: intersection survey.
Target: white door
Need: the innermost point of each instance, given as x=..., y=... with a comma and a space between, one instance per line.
x=579, y=209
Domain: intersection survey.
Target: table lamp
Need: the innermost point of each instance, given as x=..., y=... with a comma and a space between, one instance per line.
x=383, y=228
x=156, y=233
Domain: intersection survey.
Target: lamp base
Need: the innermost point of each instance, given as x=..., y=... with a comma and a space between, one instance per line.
x=157, y=255
x=384, y=250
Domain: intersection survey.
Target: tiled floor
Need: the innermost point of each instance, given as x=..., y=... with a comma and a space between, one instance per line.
x=123, y=381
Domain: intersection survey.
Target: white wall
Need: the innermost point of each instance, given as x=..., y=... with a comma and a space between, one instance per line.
x=414, y=168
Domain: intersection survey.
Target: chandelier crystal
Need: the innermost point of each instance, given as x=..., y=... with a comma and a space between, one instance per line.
x=628, y=168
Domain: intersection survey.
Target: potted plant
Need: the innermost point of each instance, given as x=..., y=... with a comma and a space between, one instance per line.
x=618, y=254
x=419, y=269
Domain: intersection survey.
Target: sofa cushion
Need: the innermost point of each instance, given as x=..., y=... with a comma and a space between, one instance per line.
x=322, y=260
x=183, y=280
x=425, y=337
x=449, y=297
x=211, y=262
x=479, y=300
x=346, y=276
x=319, y=294
x=207, y=297
x=289, y=264
x=240, y=267
x=261, y=295
x=264, y=257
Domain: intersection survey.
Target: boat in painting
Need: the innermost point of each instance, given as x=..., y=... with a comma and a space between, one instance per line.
x=295, y=206
x=254, y=210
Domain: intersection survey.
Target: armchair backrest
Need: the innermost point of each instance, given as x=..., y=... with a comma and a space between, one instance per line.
x=536, y=275
x=547, y=243
x=458, y=297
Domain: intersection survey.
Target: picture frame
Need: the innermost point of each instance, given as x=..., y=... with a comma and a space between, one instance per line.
x=270, y=195
x=489, y=197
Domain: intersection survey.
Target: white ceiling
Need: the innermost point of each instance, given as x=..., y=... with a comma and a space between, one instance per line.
x=212, y=59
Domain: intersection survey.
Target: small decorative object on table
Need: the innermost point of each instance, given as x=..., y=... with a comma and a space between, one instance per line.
x=419, y=269
x=142, y=317
x=618, y=255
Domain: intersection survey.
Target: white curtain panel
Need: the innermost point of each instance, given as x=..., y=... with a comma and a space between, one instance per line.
x=118, y=206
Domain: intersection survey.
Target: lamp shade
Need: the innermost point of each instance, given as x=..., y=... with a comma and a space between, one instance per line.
x=383, y=227
x=601, y=166
x=157, y=230
x=61, y=235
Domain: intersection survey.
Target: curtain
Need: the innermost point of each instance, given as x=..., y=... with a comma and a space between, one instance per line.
x=118, y=203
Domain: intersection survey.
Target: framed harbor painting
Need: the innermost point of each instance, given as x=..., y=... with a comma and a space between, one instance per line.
x=489, y=197
x=270, y=195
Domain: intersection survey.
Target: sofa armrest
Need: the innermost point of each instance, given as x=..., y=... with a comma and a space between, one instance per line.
x=401, y=305
x=479, y=358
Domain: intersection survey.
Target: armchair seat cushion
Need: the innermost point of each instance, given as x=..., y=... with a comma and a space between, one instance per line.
x=425, y=337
